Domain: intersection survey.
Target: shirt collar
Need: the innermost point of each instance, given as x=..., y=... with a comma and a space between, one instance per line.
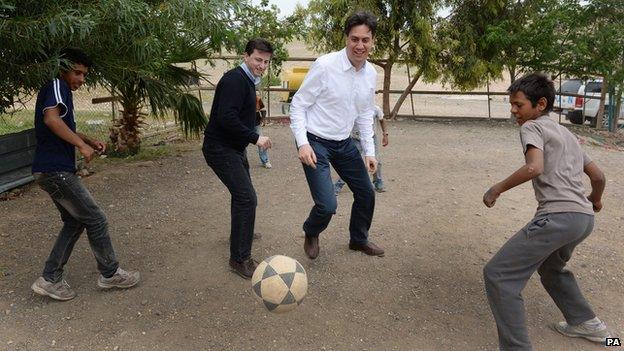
x=346, y=64
x=254, y=79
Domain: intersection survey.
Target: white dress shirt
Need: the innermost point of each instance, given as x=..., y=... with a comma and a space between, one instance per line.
x=332, y=99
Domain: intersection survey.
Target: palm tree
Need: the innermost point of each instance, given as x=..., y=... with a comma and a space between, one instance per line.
x=140, y=48
x=161, y=89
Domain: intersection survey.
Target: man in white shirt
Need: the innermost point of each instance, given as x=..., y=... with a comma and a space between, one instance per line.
x=338, y=92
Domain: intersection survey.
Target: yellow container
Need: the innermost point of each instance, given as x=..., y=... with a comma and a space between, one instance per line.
x=292, y=79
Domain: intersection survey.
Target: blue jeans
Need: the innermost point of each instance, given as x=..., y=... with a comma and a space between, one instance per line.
x=345, y=158
x=78, y=212
x=262, y=153
x=232, y=168
x=377, y=179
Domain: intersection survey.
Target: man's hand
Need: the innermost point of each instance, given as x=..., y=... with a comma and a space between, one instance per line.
x=264, y=142
x=86, y=151
x=384, y=140
x=596, y=204
x=490, y=196
x=307, y=156
x=371, y=163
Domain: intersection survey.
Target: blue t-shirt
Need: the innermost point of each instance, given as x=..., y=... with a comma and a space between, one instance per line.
x=53, y=154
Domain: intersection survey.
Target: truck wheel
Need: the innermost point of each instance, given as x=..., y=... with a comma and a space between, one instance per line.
x=576, y=117
x=285, y=108
x=605, y=121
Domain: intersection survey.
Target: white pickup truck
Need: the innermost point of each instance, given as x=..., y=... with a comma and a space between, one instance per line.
x=579, y=109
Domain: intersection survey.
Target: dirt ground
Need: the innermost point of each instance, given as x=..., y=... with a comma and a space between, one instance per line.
x=169, y=218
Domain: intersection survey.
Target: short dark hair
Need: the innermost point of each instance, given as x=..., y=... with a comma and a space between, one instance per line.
x=359, y=18
x=75, y=56
x=535, y=86
x=260, y=45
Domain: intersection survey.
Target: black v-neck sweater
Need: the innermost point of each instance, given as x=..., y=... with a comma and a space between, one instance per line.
x=233, y=114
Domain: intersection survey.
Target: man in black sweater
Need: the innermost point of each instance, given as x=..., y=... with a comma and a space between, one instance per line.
x=229, y=131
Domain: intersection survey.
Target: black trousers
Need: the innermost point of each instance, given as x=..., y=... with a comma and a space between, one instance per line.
x=232, y=168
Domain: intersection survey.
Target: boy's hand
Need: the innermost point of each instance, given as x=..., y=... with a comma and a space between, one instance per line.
x=87, y=152
x=596, y=204
x=99, y=146
x=597, y=183
x=371, y=163
x=490, y=196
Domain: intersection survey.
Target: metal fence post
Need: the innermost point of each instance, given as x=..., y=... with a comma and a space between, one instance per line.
x=488, y=98
x=113, y=110
x=268, y=90
x=560, y=97
x=199, y=92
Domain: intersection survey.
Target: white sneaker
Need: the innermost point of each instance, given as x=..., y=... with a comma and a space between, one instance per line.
x=121, y=279
x=59, y=291
x=268, y=165
x=593, y=330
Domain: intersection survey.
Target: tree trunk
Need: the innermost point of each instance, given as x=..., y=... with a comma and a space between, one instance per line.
x=405, y=93
x=601, y=109
x=386, y=87
x=512, y=78
x=388, y=75
x=125, y=134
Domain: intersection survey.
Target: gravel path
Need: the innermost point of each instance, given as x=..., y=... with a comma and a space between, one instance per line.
x=170, y=217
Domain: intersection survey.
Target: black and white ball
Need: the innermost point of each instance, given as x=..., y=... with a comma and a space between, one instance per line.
x=280, y=282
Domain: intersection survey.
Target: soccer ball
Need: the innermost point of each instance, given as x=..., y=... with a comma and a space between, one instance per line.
x=280, y=282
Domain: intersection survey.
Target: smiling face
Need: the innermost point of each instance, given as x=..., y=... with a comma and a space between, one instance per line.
x=75, y=77
x=359, y=44
x=522, y=108
x=257, y=62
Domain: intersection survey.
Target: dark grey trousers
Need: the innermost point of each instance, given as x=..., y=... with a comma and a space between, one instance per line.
x=78, y=211
x=545, y=244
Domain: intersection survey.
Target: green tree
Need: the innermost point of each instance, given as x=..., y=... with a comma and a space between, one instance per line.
x=405, y=34
x=31, y=33
x=485, y=39
x=566, y=37
x=138, y=47
x=263, y=21
x=141, y=50
x=599, y=50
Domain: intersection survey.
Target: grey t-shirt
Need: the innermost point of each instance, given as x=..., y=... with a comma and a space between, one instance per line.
x=560, y=186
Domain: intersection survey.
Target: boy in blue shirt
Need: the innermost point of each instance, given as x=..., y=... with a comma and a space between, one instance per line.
x=54, y=169
x=355, y=135
x=555, y=163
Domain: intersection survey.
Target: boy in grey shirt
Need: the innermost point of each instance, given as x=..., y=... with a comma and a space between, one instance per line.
x=555, y=163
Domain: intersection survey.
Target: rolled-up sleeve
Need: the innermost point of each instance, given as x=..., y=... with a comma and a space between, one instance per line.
x=364, y=123
x=365, y=118
x=312, y=86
